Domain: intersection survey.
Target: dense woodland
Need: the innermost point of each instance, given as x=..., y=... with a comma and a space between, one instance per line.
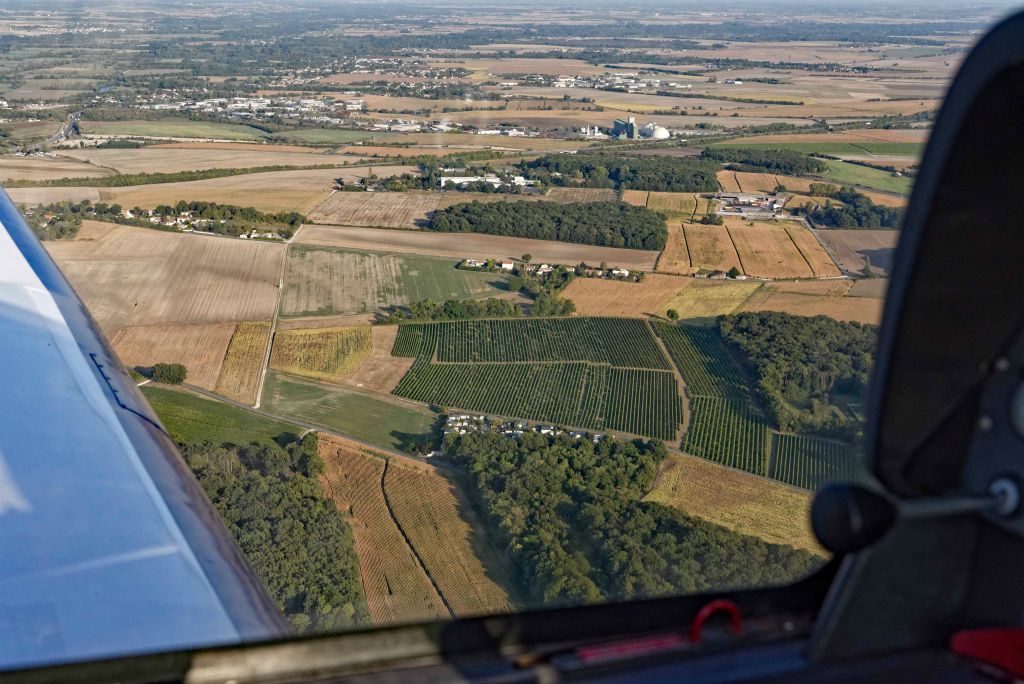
x=293, y=536
x=801, y=363
x=856, y=210
x=785, y=162
x=610, y=224
x=571, y=517
x=666, y=174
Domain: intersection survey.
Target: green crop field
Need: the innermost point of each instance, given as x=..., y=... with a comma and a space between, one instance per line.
x=595, y=373
x=191, y=418
x=408, y=340
x=728, y=431
x=174, y=128
x=854, y=174
x=810, y=462
x=622, y=342
x=703, y=360
x=726, y=426
x=391, y=424
x=837, y=149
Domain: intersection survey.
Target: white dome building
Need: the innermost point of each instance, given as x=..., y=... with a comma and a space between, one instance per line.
x=655, y=132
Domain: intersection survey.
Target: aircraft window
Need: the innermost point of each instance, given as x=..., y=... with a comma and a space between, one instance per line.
x=455, y=311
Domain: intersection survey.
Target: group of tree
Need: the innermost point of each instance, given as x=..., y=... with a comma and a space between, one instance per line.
x=294, y=537
x=571, y=515
x=454, y=309
x=801, y=363
x=169, y=373
x=784, y=162
x=856, y=210
x=611, y=224
x=664, y=174
x=63, y=219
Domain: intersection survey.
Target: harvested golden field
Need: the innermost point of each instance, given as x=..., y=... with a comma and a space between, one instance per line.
x=820, y=262
x=153, y=159
x=705, y=299
x=766, y=250
x=475, y=245
x=904, y=135
x=387, y=210
x=885, y=199
x=875, y=288
x=236, y=146
x=138, y=276
x=739, y=501
x=384, y=151
x=397, y=209
x=33, y=196
x=479, y=142
x=93, y=230
x=396, y=587
x=772, y=297
x=675, y=258
x=240, y=375
x=837, y=287
x=46, y=168
x=522, y=65
x=635, y=197
x=601, y=297
x=271, y=191
x=448, y=538
x=381, y=371
x=331, y=321
x=676, y=204
x=727, y=179
x=582, y=195
x=710, y=247
x=756, y=182
x=200, y=348
x=855, y=249
x=328, y=354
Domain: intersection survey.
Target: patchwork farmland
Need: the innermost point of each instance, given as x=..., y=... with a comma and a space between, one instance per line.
x=596, y=373
x=325, y=281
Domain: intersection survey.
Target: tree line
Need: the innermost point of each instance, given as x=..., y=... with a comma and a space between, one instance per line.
x=610, y=224
x=856, y=210
x=662, y=174
x=801, y=363
x=571, y=516
x=786, y=162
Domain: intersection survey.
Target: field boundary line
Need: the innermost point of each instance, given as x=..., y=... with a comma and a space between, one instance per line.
x=736, y=250
x=273, y=327
x=408, y=541
x=802, y=255
x=680, y=384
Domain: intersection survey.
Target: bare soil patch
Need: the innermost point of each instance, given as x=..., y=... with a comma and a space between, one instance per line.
x=200, y=348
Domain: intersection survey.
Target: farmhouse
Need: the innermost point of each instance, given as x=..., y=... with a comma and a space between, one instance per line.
x=750, y=203
x=507, y=265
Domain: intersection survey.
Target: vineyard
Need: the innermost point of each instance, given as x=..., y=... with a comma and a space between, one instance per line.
x=595, y=373
x=728, y=427
x=810, y=462
x=728, y=431
x=622, y=342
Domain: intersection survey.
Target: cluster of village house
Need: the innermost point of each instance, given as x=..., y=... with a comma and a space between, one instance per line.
x=543, y=269
x=460, y=424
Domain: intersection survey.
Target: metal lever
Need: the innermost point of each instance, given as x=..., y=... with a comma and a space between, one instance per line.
x=848, y=518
